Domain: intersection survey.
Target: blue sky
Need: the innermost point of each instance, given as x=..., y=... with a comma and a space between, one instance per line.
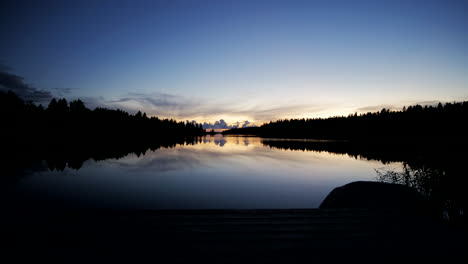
x=240, y=60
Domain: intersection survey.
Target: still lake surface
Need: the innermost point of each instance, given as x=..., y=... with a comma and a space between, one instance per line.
x=230, y=172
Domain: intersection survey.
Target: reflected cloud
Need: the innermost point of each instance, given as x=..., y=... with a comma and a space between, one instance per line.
x=220, y=141
x=161, y=161
x=215, y=149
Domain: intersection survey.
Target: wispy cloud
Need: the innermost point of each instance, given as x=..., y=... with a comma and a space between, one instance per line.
x=155, y=101
x=157, y=104
x=424, y=103
x=240, y=113
x=62, y=92
x=375, y=108
x=267, y=113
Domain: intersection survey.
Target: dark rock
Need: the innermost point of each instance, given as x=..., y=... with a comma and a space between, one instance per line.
x=373, y=195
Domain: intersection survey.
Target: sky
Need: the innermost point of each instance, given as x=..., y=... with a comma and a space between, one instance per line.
x=239, y=61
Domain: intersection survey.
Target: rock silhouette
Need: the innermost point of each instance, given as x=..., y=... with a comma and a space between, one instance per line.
x=373, y=195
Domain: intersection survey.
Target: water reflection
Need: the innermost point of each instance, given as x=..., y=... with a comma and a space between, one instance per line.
x=208, y=172
x=226, y=172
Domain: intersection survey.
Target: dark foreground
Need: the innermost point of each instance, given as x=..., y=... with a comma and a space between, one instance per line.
x=229, y=236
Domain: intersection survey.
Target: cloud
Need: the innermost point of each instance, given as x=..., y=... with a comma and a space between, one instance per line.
x=428, y=103
x=93, y=102
x=179, y=107
x=155, y=104
x=25, y=91
x=4, y=68
x=221, y=124
x=267, y=113
x=166, y=105
x=376, y=108
x=62, y=92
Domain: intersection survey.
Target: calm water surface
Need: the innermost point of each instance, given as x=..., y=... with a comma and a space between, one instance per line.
x=218, y=172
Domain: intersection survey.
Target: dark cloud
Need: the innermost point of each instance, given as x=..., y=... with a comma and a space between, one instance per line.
x=25, y=91
x=93, y=102
x=221, y=124
x=246, y=124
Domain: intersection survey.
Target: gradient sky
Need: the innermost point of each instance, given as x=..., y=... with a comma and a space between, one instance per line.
x=240, y=60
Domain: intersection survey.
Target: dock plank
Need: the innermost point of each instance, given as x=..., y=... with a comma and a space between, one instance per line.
x=268, y=236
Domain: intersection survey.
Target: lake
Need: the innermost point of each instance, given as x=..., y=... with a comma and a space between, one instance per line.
x=228, y=172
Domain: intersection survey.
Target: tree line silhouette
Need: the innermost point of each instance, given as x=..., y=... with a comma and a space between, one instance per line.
x=428, y=123
x=74, y=121
x=68, y=133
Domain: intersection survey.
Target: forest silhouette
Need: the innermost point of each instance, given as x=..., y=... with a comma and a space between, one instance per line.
x=65, y=134
x=414, y=123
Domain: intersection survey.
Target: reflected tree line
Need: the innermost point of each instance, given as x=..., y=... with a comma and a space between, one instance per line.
x=65, y=134
x=383, y=152
x=437, y=171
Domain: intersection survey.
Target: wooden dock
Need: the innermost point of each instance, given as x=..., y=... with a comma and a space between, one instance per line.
x=229, y=236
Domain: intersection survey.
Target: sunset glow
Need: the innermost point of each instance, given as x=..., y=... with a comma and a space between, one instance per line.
x=241, y=60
